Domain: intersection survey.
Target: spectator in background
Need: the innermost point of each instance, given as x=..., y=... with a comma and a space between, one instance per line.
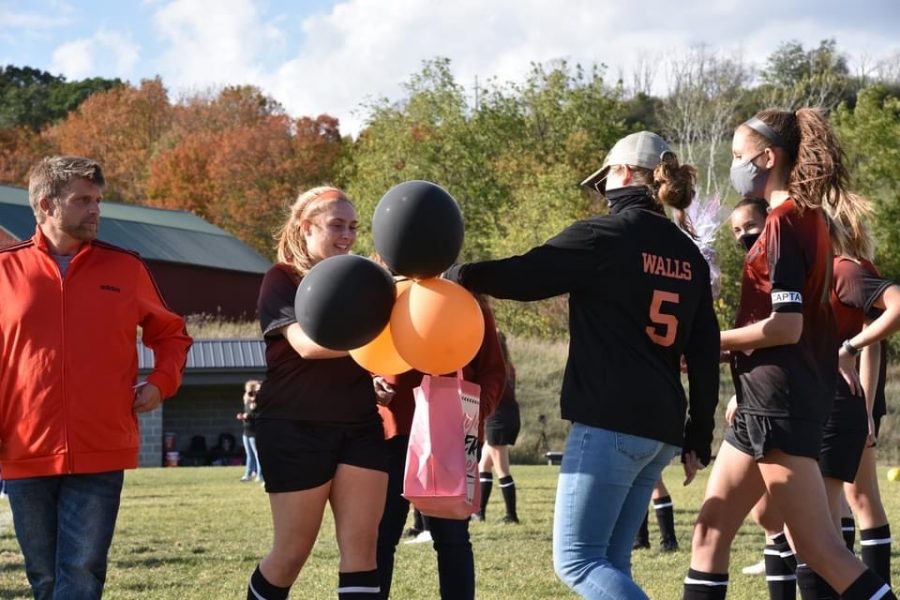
x=248, y=418
x=68, y=395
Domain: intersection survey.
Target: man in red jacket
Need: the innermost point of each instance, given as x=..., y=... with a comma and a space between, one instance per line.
x=69, y=315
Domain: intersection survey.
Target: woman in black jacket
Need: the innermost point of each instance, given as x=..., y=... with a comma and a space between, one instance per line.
x=639, y=300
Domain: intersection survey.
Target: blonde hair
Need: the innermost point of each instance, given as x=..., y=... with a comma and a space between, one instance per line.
x=291, y=243
x=850, y=235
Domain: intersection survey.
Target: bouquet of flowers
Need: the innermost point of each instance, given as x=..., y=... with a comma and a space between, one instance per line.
x=706, y=218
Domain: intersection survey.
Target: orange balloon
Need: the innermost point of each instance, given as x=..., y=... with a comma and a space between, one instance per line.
x=437, y=326
x=380, y=356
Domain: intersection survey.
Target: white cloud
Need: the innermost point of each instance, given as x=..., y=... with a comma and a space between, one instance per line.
x=11, y=19
x=213, y=42
x=106, y=53
x=366, y=48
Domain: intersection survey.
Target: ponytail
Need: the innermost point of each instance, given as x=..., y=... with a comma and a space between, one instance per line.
x=673, y=185
x=818, y=177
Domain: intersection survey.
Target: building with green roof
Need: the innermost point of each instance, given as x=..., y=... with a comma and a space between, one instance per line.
x=199, y=267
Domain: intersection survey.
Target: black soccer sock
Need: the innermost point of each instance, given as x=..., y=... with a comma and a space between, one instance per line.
x=642, y=539
x=812, y=586
x=359, y=585
x=705, y=586
x=780, y=542
x=665, y=517
x=508, y=487
x=848, y=531
x=780, y=578
x=875, y=544
x=487, y=484
x=868, y=586
x=260, y=589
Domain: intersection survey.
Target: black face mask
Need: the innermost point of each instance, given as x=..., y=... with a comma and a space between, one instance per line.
x=748, y=240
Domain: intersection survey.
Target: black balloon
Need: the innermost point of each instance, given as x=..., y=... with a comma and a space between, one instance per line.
x=418, y=229
x=344, y=302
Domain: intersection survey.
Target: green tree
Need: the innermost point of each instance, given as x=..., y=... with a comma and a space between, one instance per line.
x=513, y=162
x=33, y=98
x=796, y=77
x=871, y=135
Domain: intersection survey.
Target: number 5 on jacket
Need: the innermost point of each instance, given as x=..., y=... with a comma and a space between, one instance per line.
x=662, y=319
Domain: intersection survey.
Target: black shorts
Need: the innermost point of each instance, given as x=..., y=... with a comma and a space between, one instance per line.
x=298, y=455
x=756, y=435
x=502, y=427
x=844, y=439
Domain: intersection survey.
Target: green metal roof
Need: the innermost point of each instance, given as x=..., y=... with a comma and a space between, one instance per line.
x=156, y=234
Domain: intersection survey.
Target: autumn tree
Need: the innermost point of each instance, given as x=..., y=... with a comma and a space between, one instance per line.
x=235, y=158
x=121, y=128
x=20, y=148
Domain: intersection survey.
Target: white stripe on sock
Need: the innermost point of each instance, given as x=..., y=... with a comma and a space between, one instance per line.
x=705, y=582
x=255, y=593
x=771, y=552
x=781, y=578
x=359, y=589
x=488, y=480
x=881, y=593
x=659, y=506
x=848, y=528
x=775, y=537
x=506, y=485
x=875, y=542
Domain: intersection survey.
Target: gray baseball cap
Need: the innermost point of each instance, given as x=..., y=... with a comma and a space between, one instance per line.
x=642, y=149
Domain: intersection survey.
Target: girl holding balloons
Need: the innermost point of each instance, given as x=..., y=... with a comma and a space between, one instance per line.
x=319, y=436
x=639, y=300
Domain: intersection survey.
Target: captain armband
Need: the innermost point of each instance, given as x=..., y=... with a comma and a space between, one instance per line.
x=787, y=301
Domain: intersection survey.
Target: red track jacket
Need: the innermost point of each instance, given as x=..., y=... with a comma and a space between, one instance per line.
x=68, y=361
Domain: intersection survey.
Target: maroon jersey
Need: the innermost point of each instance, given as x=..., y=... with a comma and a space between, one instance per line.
x=788, y=269
x=334, y=391
x=857, y=285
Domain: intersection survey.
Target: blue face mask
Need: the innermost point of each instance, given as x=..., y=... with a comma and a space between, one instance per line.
x=747, y=179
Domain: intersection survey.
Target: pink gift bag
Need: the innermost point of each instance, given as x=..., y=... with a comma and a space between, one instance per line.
x=441, y=477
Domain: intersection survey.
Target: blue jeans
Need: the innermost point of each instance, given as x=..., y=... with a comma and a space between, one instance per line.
x=64, y=525
x=456, y=562
x=605, y=483
x=253, y=465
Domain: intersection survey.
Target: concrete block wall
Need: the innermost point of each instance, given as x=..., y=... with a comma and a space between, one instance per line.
x=151, y=438
x=202, y=410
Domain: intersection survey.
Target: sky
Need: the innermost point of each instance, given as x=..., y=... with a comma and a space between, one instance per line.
x=335, y=56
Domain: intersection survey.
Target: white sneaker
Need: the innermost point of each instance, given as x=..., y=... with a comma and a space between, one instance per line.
x=757, y=569
x=423, y=537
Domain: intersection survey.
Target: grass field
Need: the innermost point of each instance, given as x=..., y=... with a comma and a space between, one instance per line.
x=197, y=533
